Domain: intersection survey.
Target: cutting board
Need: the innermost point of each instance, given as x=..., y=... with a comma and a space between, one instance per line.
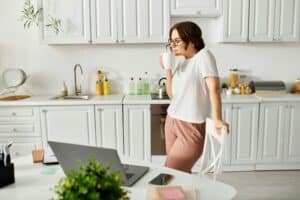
x=15, y=97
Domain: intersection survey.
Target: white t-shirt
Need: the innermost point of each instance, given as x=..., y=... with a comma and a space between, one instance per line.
x=190, y=100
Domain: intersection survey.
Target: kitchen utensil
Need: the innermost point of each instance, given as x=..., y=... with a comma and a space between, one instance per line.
x=12, y=79
x=162, y=91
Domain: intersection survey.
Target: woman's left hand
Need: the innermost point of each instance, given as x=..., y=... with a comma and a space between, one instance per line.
x=220, y=124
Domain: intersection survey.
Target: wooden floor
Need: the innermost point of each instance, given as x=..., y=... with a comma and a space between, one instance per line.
x=281, y=185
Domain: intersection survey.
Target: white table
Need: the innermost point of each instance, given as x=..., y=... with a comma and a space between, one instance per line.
x=32, y=183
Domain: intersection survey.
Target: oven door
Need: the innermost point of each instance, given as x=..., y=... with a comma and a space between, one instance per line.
x=158, y=118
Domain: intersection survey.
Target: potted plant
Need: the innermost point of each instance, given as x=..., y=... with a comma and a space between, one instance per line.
x=92, y=182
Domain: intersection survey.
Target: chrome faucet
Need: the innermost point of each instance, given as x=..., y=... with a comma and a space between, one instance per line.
x=77, y=90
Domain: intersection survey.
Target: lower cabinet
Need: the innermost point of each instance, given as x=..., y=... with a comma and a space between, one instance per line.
x=70, y=124
x=137, y=138
x=20, y=125
x=279, y=139
x=292, y=139
x=109, y=127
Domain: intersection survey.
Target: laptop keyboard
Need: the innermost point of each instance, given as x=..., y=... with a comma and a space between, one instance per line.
x=129, y=175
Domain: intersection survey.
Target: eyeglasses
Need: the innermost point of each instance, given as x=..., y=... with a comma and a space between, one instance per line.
x=174, y=42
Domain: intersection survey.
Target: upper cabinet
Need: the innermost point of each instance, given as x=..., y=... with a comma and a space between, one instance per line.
x=268, y=21
x=235, y=21
x=274, y=20
x=105, y=21
x=196, y=8
x=130, y=21
x=65, y=22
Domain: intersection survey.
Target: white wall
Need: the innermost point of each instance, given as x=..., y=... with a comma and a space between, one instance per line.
x=49, y=65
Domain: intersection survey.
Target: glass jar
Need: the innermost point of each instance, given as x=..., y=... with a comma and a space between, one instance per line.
x=233, y=78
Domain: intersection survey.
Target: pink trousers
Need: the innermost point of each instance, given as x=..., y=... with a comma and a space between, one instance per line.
x=184, y=143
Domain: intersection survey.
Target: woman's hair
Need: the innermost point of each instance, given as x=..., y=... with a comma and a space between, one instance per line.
x=189, y=32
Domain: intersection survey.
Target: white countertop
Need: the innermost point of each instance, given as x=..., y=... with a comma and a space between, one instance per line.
x=48, y=100
x=283, y=98
x=140, y=99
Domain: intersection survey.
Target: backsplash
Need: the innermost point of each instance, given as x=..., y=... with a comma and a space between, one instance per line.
x=48, y=66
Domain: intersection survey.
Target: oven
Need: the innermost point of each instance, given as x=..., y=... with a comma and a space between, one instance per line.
x=158, y=118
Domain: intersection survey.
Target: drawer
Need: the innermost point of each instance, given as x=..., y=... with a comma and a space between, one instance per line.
x=23, y=146
x=17, y=114
x=22, y=130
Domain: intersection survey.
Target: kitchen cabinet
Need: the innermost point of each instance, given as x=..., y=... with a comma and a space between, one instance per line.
x=124, y=21
x=278, y=144
x=196, y=8
x=244, y=128
x=109, y=127
x=74, y=16
x=20, y=124
x=274, y=20
x=292, y=138
x=234, y=22
x=137, y=138
x=260, y=21
x=70, y=124
x=272, y=128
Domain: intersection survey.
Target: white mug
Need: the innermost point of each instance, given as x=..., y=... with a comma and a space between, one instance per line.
x=168, y=60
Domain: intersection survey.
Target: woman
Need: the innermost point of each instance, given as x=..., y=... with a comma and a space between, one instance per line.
x=193, y=87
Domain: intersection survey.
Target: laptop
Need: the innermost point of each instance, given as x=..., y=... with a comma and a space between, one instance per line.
x=69, y=154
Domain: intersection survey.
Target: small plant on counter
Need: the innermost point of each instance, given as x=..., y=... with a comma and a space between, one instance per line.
x=93, y=182
x=55, y=24
x=30, y=14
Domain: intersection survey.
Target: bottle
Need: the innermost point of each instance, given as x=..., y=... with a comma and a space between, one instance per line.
x=64, y=91
x=99, y=87
x=233, y=78
x=131, y=86
x=106, y=87
x=139, y=86
x=146, y=84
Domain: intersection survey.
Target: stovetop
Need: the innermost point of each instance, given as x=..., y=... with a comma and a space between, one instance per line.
x=156, y=97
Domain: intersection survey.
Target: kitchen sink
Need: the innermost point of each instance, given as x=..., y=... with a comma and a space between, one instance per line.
x=73, y=97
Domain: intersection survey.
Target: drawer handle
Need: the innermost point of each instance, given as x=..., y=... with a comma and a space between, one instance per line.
x=13, y=114
x=15, y=130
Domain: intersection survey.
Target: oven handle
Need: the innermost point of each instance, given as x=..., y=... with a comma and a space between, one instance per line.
x=162, y=128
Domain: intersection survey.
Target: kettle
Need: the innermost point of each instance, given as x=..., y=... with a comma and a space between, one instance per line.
x=162, y=91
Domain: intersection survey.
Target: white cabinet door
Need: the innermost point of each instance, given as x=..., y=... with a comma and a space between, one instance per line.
x=131, y=18
x=235, y=21
x=137, y=131
x=74, y=16
x=143, y=21
x=244, y=133
x=157, y=21
x=104, y=21
x=199, y=8
x=70, y=124
x=272, y=130
x=227, y=117
x=109, y=126
x=128, y=21
x=292, y=136
x=288, y=20
x=262, y=20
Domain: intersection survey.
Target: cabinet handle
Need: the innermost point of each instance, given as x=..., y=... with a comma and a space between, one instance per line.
x=15, y=130
x=13, y=114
